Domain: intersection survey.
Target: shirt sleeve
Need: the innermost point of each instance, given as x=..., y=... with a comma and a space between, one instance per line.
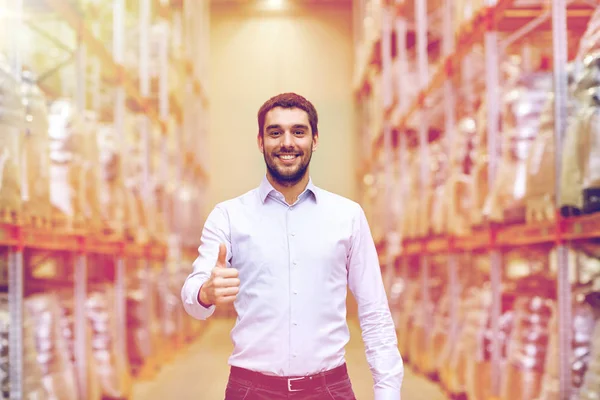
x=216, y=231
x=378, y=330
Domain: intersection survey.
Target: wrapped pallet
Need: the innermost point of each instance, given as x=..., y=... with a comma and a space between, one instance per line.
x=112, y=197
x=479, y=187
x=457, y=188
x=12, y=117
x=405, y=318
x=454, y=372
x=91, y=171
x=539, y=197
x=478, y=377
x=143, y=333
x=420, y=340
x=36, y=153
x=137, y=187
x=58, y=371
x=413, y=212
x=439, y=336
x=112, y=364
x=33, y=386
x=521, y=118
x=591, y=381
x=580, y=180
x=67, y=328
x=74, y=165
x=439, y=176
x=586, y=312
x=529, y=338
x=579, y=169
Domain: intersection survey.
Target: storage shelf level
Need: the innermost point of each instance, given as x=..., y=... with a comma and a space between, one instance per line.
x=575, y=228
x=70, y=241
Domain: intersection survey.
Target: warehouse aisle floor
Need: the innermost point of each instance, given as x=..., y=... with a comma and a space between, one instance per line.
x=201, y=371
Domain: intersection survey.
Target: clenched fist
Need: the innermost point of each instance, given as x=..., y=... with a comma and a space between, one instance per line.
x=223, y=284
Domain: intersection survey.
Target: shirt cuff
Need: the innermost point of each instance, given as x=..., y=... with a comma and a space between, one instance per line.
x=207, y=306
x=190, y=301
x=387, y=394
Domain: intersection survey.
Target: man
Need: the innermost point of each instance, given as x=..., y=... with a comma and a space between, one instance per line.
x=284, y=254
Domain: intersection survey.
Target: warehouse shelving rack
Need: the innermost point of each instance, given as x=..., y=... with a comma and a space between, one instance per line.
x=16, y=238
x=376, y=49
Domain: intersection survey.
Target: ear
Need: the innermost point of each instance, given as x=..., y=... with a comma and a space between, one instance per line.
x=315, y=140
x=260, y=143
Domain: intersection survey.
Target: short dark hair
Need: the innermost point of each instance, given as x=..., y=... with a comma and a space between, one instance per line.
x=288, y=100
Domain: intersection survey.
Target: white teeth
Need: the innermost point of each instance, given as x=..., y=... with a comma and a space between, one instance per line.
x=287, y=157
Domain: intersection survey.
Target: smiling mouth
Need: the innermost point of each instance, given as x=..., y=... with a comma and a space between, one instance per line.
x=287, y=157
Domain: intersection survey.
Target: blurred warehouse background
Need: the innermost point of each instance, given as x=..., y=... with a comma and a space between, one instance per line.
x=468, y=130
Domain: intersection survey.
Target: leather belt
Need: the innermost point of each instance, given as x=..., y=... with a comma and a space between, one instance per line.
x=292, y=383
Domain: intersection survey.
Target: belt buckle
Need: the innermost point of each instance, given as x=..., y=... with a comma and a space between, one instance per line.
x=289, y=382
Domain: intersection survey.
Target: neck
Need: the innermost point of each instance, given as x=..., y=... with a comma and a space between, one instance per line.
x=289, y=191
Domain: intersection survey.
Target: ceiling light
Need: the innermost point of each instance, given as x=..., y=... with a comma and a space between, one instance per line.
x=275, y=4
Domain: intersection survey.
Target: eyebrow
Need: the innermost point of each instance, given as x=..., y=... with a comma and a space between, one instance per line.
x=296, y=126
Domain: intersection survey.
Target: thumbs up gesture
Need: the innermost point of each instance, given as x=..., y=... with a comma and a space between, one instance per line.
x=223, y=284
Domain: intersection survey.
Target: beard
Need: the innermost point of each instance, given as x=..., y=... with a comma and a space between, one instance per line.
x=287, y=176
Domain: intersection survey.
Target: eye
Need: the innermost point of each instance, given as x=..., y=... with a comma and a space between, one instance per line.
x=274, y=133
x=299, y=133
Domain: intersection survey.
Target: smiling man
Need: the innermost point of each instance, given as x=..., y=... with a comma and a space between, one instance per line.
x=284, y=254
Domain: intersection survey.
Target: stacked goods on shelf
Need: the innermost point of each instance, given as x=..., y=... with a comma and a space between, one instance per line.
x=580, y=181
x=528, y=343
x=539, y=197
x=478, y=372
x=420, y=339
x=113, y=205
x=523, y=103
x=112, y=365
x=12, y=117
x=412, y=221
x=454, y=375
x=58, y=371
x=74, y=172
x=453, y=364
x=591, y=380
x=458, y=183
x=36, y=153
x=189, y=197
x=190, y=328
x=67, y=325
x=439, y=336
x=33, y=386
x=169, y=307
x=436, y=210
x=143, y=337
x=479, y=174
x=586, y=313
x=402, y=312
x=133, y=171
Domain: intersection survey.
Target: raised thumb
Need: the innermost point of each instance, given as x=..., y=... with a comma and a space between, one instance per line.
x=222, y=259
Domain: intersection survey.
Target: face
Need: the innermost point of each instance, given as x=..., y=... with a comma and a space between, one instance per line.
x=287, y=143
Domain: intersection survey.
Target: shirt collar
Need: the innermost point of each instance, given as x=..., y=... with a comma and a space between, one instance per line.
x=266, y=188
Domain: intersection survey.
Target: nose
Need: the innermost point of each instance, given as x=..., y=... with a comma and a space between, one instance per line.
x=288, y=140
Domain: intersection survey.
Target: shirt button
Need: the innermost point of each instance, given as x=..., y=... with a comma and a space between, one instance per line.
x=295, y=323
x=293, y=233
x=295, y=292
x=295, y=263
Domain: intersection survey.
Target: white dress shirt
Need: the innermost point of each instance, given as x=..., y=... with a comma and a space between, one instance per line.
x=295, y=263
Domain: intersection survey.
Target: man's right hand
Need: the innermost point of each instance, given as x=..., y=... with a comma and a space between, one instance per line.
x=223, y=284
